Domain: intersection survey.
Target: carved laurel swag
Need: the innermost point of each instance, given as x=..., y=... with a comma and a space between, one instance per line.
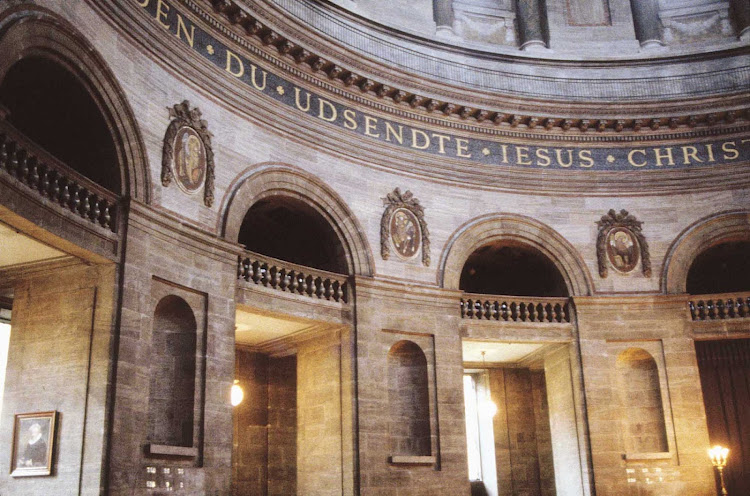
x=182, y=115
x=392, y=202
x=628, y=221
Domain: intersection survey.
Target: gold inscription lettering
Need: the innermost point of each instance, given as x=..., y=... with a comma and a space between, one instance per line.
x=585, y=157
x=710, y=149
x=504, y=148
x=161, y=12
x=349, y=121
x=730, y=150
x=322, y=106
x=143, y=3
x=389, y=130
x=252, y=78
x=442, y=138
x=306, y=108
x=522, y=155
x=633, y=152
x=234, y=58
x=660, y=155
x=370, y=123
x=542, y=155
x=182, y=28
x=560, y=160
x=689, y=152
x=415, y=141
x=462, y=148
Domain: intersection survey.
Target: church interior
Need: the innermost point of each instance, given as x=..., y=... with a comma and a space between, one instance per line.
x=354, y=247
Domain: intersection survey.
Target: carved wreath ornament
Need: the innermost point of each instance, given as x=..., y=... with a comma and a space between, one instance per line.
x=187, y=156
x=621, y=244
x=403, y=227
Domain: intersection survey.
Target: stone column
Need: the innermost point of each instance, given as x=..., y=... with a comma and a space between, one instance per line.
x=530, y=25
x=443, y=14
x=646, y=22
x=741, y=16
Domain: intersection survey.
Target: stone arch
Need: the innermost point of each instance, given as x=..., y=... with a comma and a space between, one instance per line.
x=269, y=179
x=699, y=236
x=517, y=229
x=30, y=31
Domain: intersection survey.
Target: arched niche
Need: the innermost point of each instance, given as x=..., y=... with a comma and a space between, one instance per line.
x=289, y=229
x=33, y=33
x=408, y=400
x=513, y=230
x=639, y=390
x=171, y=404
x=265, y=181
x=723, y=227
x=511, y=269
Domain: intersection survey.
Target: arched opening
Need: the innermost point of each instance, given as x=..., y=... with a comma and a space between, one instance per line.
x=511, y=269
x=408, y=400
x=172, y=387
x=644, y=429
x=722, y=268
x=52, y=107
x=289, y=229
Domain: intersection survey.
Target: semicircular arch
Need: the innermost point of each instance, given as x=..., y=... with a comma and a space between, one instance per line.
x=513, y=228
x=271, y=179
x=703, y=234
x=35, y=32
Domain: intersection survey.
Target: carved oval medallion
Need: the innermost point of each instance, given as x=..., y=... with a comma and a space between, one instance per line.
x=623, y=251
x=189, y=160
x=406, y=235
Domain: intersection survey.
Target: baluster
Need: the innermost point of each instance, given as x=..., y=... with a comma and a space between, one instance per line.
x=741, y=308
x=711, y=309
x=504, y=308
x=729, y=307
x=463, y=308
x=33, y=179
x=256, y=272
x=701, y=310
x=107, y=216
x=319, y=289
x=496, y=310
x=691, y=306
x=44, y=181
x=95, y=210
x=335, y=290
x=548, y=312
x=75, y=199
x=309, y=286
x=23, y=166
x=3, y=151
x=470, y=308
x=720, y=309
x=540, y=312
x=265, y=276
x=478, y=309
x=342, y=291
x=85, y=204
x=486, y=309
x=293, y=283
x=274, y=277
x=239, y=266
x=283, y=279
x=54, y=185
x=532, y=312
x=566, y=311
x=558, y=312
x=13, y=161
x=514, y=312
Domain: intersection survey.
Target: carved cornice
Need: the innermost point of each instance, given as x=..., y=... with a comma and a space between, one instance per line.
x=393, y=97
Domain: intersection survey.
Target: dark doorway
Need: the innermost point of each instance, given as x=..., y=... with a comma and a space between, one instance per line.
x=516, y=270
x=53, y=108
x=725, y=378
x=291, y=230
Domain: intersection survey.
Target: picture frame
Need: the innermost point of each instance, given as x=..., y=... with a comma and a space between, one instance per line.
x=33, y=445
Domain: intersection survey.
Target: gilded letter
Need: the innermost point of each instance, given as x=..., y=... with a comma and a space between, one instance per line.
x=349, y=116
x=252, y=78
x=161, y=12
x=659, y=155
x=370, y=123
x=522, y=155
x=542, y=155
x=441, y=141
x=633, y=152
x=306, y=108
x=322, y=105
x=182, y=28
x=560, y=160
x=462, y=148
x=143, y=3
x=415, y=141
x=389, y=130
x=504, y=148
x=730, y=150
x=585, y=157
x=689, y=152
x=710, y=149
x=232, y=57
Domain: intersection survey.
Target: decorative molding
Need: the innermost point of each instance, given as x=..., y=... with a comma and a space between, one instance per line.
x=316, y=64
x=626, y=222
x=183, y=116
x=393, y=202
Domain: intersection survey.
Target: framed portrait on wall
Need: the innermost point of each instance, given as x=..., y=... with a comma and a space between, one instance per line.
x=33, y=444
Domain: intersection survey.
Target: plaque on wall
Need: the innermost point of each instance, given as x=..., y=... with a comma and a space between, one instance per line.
x=33, y=444
x=621, y=244
x=187, y=156
x=403, y=228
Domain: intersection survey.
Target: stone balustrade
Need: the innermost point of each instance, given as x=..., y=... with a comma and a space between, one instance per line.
x=515, y=308
x=720, y=306
x=45, y=176
x=296, y=279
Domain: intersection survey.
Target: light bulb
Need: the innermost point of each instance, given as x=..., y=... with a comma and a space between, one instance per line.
x=237, y=393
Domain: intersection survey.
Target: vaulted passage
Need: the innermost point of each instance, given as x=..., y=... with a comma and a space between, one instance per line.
x=723, y=268
x=52, y=107
x=506, y=269
x=291, y=230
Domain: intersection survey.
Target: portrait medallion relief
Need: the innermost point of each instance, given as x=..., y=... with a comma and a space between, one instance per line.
x=405, y=233
x=622, y=249
x=189, y=160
